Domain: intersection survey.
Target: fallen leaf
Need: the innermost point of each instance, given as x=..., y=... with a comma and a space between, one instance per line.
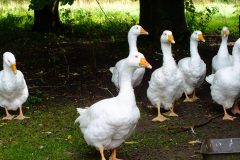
x=195, y=142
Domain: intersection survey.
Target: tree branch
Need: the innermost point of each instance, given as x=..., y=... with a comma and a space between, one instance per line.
x=190, y=128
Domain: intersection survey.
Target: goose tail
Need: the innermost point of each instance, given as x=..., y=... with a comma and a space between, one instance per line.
x=210, y=78
x=111, y=69
x=81, y=111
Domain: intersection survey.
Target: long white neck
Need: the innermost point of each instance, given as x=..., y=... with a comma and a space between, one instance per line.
x=195, y=57
x=167, y=54
x=126, y=93
x=223, y=47
x=132, y=42
x=194, y=48
x=7, y=69
x=236, y=57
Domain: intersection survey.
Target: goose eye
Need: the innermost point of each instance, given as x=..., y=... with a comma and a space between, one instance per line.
x=136, y=56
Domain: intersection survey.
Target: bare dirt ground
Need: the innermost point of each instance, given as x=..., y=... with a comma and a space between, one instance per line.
x=62, y=71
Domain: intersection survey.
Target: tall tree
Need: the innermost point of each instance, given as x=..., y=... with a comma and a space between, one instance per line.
x=159, y=15
x=46, y=14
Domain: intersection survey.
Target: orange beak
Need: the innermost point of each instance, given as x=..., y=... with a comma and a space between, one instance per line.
x=200, y=37
x=142, y=31
x=225, y=33
x=171, y=39
x=144, y=63
x=14, y=68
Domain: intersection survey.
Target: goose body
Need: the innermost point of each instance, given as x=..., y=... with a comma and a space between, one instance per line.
x=193, y=68
x=138, y=74
x=13, y=88
x=225, y=83
x=109, y=122
x=165, y=85
x=223, y=58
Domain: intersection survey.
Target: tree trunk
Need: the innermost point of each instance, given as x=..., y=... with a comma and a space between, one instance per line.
x=47, y=19
x=159, y=15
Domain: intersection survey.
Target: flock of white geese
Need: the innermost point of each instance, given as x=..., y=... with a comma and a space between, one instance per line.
x=109, y=122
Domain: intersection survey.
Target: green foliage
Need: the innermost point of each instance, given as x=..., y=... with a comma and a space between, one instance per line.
x=198, y=20
x=93, y=23
x=237, y=9
x=14, y=19
x=39, y=4
x=35, y=98
x=66, y=16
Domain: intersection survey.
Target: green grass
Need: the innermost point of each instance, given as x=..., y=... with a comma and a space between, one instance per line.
x=88, y=20
x=226, y=16
x=50, y=133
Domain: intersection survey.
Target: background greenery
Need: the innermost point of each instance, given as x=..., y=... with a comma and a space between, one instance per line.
x=85, y=17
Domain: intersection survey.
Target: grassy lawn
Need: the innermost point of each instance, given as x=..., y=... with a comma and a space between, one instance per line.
x=50, y=133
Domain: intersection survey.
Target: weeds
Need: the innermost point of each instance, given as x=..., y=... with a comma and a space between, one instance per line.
x=198, y=20
x=35, y=98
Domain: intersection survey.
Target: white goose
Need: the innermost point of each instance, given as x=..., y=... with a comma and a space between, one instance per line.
x=107, y=123
x=193, y=68
x=225, y=83
x=138, y=74
x=13, y=88
x=165, y=85
x=223, y=58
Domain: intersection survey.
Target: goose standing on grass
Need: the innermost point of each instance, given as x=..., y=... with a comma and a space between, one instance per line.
x=13, y=88
x=193, y=68
x=138, y=74
x=223, y=58
x=165, y=85
x=225, y=83
x=107, y=123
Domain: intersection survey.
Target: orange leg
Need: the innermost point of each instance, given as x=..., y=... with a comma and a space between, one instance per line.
x=160, y=117
x=114, y=155
x=227, y=116
x=171, y=113
x=21, y=116
x=235, y=109
x=8, y=115
x=101, y=153
x=191, y=99
x=194, y=97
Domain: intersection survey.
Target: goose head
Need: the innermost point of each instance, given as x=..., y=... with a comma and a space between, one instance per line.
x=9, y=61
x=167, y=37
x=225, y=31
x=137, y=30
x=137, y=59
x=197, y=36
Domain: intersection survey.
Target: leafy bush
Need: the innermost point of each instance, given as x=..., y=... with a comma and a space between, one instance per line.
x=15, y=19
x=198, y=20
x=95, y=23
